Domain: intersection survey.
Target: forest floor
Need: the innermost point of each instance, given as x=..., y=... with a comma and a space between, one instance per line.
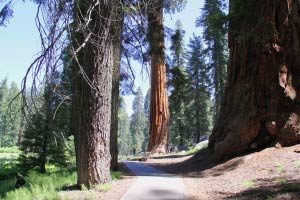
x=265, y=175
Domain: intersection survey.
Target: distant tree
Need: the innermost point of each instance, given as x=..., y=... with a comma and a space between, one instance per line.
x=199, y=110
x=124, y=137
x=138, y=122
x=15, y=115
x=179, y=86
x=147, y=113
x=10, y=114
x=3, y=111
x=213, y=22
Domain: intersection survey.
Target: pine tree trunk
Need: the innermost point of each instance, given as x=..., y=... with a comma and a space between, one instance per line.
x=91, y=108
x=117, y=53
x=159, y=106
x=261, y=104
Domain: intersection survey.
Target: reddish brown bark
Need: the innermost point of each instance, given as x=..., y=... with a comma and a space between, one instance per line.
x=261, y=104
x=159, y=106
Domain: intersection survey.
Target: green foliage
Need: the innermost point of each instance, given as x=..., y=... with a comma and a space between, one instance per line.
x=280, y=180
x=178, y=85
x=250, y=183
x=280, y=168
x=8, y=165
x=47, y=137
x=138, y=122
x=200, y=109
x=104, y=187
x=147, y=113
x=10, y=114
x=292, y=187
x=124, y=137
x=213, y=20
x=116, y=175
x=13, y=149
x=39, y=186
x=189, y=87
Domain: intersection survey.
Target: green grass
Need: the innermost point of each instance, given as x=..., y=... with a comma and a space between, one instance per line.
x=46, y=186
x=281, y=180
x=280, y=168
x=39, y=186
x=116, y=175
x=250, y=183
x=104, y=187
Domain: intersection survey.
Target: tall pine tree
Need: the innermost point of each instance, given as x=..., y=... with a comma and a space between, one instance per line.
x=199, y=91
x=138, y=122
x=214, y=35
x=124, y=137
x=179, y=84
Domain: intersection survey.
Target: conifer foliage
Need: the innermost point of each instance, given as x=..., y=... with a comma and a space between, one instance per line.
x=10, y=114
x=213, y=20
x=138, y=122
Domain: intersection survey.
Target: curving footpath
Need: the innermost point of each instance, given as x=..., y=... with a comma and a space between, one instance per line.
x=153, y=184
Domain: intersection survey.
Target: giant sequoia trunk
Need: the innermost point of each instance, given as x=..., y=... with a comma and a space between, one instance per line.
x=261, y=104
x=92, y=77
x=159, y=107
x=117, y=53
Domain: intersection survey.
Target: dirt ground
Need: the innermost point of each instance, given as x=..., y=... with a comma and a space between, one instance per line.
x=266, y=175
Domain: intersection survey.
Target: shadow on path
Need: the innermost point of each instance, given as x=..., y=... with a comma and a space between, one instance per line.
x=153, y=184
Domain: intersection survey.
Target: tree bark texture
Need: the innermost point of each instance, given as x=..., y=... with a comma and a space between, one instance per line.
x=159, y=106
x=117, y=53
x=92, y=76
x=261, y=103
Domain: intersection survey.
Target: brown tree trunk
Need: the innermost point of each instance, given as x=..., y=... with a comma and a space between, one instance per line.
x=117, y=53
x=261, y=104
x=159, y=106
x=92, y=75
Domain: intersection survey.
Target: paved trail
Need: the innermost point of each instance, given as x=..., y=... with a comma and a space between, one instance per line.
x=153, y=184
